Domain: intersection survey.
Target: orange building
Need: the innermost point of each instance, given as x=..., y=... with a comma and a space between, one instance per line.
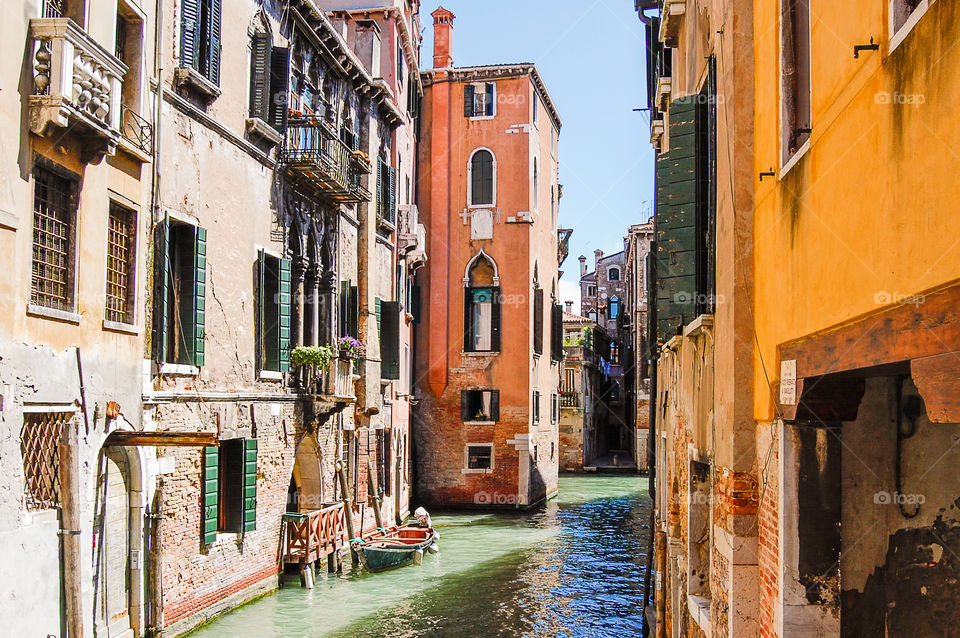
x=490, y=337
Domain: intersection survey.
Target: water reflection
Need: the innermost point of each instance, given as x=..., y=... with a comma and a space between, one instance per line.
x=574, y=568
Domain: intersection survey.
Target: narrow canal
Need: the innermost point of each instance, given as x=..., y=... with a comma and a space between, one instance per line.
x=573, y=568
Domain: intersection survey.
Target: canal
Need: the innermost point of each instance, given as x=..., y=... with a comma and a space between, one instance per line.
x=573, y=568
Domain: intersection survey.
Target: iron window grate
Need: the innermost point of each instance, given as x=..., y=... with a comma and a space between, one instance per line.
x=54, y=217
x=52, y=8
x=121, y=248
x=40, y=449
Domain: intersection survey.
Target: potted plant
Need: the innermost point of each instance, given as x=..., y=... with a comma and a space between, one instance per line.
x=351, y=348
x=313, y=360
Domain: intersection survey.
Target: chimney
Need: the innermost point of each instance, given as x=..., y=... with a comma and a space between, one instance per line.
x=597, y=255
x=367, y=46
x=583, y=266
x=568, y=306
x=442, y=38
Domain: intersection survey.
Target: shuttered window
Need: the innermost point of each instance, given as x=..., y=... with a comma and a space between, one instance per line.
x=478, y=99
x=388, y=316
x=180, y=313
x=556, y=332
x=279, y=87
x=273, y=312
x=260, y=98
x=229, y=488
x=481, y=178
x=482, y=319
x=538, y=321
x=479, y=405
x=200, y=37
x=536, y=406
x=211, y=493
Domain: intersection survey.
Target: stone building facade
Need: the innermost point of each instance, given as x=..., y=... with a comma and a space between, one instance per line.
x=634, y=330
x=581, y=384
x=805, y=381
x=489, y=356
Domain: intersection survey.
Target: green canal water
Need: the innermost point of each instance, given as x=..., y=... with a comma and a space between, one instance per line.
x=573, y=568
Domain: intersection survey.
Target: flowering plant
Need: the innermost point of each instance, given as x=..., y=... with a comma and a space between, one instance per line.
x=350, y=347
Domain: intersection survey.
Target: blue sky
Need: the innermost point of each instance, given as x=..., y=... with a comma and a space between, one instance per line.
x=590, y=55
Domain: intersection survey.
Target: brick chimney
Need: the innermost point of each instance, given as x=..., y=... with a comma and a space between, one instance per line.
x=583, y=266
x=568, y=306
x=597, y=256
x=442, y=38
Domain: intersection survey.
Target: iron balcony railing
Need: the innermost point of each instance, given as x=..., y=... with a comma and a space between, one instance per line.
x=313, y=152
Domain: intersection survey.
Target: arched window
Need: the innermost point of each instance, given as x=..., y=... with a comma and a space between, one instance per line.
x=613, y=274
x=614, y=307
x=482, y=178
x=481, y=321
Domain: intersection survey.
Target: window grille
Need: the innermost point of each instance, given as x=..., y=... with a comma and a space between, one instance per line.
x=54, y=209
x=53, y=8
x=121, y=248
x=40, y=449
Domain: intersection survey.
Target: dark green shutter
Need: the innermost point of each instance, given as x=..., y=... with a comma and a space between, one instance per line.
x=161, y=318
x=284, y=314
x=261, y=318
x=495, y=405
x=279, y=87
x=354, y=315
x=556, y=332
x=538, y=321
x=495, y=322
x=467, y=320
x=489, y=105
x=415, y=304
x=213, y=72
x=260, y=96
x=465, y=405
x=468, y=100
x=249, y=485
x=199, y=295
x=343, y=306
x=392, y=198
x=211, y=492
x=676, y=217
x=389, y=340
x=189, y=33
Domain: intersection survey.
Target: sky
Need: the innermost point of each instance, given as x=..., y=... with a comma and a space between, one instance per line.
x=590, y=54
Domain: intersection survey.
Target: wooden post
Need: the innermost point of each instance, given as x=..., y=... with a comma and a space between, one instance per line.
x=347, y=507
x=70, y=529
x=372, y=489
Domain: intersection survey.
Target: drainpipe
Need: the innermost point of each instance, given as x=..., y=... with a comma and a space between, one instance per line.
x=70, y=530
x=645, y=5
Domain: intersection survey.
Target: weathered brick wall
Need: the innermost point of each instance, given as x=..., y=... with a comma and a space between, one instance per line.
x=571, y=440
x=769, y=548
x=720, y=594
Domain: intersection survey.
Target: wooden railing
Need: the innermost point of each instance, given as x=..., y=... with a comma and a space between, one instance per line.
x=309, y=536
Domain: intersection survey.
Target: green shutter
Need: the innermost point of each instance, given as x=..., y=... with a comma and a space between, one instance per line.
x=468, y=100
x=676, y=217
x=260, y=96
x=189, y=32
x=343, y=306
x=390, y=340
x=354, y=316
x=378, y=304
x=199, y=295
x=211, y=491
x=213, y=42
x=284, y=318
x=260, y=330
x=392, y=200
x=161, y=319
x=249, y=485
x=495, y=322
x=279, y=88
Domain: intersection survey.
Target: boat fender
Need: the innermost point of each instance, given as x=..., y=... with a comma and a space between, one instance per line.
x=433, y=549
x=418, y=557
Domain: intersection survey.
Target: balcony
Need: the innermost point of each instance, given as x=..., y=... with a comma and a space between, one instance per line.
x=332, y=383
x=412, y=238
x=569, y=399
x=77, y=85
x=671, y=17
x=563, y=244
x=309, y=536
x=313, y=154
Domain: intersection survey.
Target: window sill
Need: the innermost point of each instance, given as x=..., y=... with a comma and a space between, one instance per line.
x=52, y=313
x=795, y=159
x=269, y=375
x=479, y=422
x=699, y=607
x=117, y=326
x=258, y=128
x=482, y=117
x=190, y=78
x=477, y=471
x=179, y=370
x=897, y=38
x=9, y=220
x=490, y=353
x=133, y=151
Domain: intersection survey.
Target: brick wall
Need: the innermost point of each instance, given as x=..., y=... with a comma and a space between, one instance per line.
x=769, y=553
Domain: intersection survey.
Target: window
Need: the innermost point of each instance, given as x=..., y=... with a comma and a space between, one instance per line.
x=614, y=353
x=40, y=451
x=386, y=191
x=536, y=185
x=129, y=50
x=536, y=109
x=388, y=323
x=901, y=12
x=613, y=274
x=180, y=280
x=482, y=308
x=538, y=321
x=536, y=406
x=482, y=178
x=269, y=80
x=479, y=405
x=121, y=263
x=73, y=9
x=592, y=315
x=383, y=461
x=614, y=307
x=273, y=312
x=54, y=238
x=200, y=37
x=554, y=407
x=478, y=99
x=591, y=291
x=794, y=76
x=229, y=488
x=480, y=457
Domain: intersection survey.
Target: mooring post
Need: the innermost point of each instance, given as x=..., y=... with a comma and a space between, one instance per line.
x=347, y=508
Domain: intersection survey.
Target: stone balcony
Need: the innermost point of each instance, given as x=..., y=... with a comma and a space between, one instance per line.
x=412, y=238
x=671, y=17
x=77, y=86
x=313, y=154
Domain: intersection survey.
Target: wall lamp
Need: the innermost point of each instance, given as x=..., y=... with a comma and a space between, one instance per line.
x=873, y=46
x=769, y=173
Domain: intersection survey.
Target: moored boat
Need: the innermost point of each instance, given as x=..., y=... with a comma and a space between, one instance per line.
x=396, y=547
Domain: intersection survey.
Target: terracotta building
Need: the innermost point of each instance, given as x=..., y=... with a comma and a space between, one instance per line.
x=806, y=334
x=490, y=336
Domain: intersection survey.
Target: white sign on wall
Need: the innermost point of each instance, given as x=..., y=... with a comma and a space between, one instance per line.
x=788, y=382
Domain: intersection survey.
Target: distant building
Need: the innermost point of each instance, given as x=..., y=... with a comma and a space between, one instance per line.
x=581, y=384
x=490, y=341
x=633, y=332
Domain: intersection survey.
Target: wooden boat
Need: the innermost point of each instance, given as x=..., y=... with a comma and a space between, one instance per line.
x=396, y=547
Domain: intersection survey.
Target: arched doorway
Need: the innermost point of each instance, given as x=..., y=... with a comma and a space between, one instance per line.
x=306, y=483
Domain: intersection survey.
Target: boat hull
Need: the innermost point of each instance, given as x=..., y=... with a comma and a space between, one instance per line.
x=396, y=548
